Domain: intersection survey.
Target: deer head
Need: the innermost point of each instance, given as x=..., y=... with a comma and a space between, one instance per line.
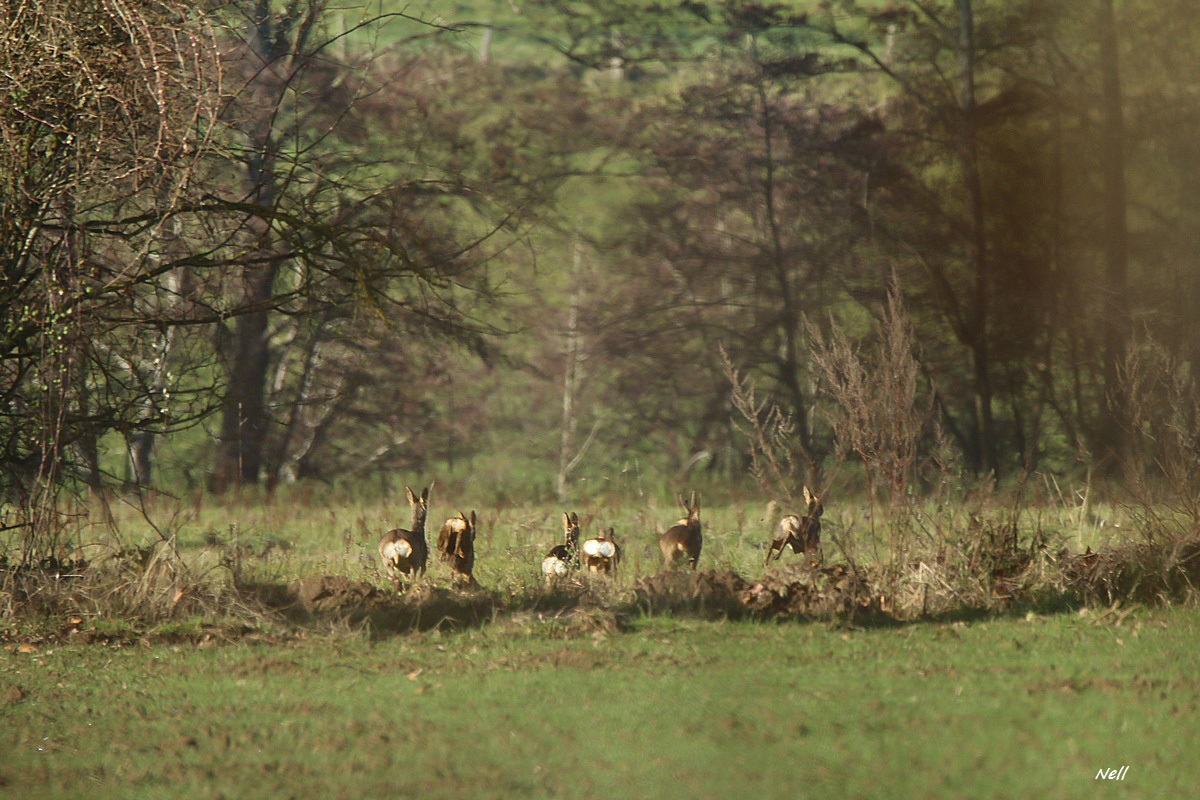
x=420, y=507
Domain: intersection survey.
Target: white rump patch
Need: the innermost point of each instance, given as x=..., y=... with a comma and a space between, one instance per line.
x=552, y=566
x=790, y=525
x=599, y=547
x=396, y=550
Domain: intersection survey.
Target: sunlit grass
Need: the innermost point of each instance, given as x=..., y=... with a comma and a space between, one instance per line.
x=670, y=708
x=301, y=532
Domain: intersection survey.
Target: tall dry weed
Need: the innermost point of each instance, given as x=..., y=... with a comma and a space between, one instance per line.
x=769, y=430
x=881, y=419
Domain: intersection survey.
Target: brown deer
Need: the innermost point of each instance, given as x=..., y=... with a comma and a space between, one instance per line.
x=682, y=542
x=602, y=554
x=564, y=557
x=456, y=543
x=405, y=552
x=802, y=534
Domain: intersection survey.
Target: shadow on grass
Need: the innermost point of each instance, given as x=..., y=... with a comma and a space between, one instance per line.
x=580, y=607
x=329, y=601
x=577, y=606
x=787, y=595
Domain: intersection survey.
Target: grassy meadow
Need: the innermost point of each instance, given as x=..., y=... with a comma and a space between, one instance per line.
x=302, y=531
x=603, y=700
x=991, y=707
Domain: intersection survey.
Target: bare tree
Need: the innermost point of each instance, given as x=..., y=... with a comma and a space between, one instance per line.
x=109, y=109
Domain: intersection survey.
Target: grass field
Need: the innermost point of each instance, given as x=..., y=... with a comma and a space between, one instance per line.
x=300, y=533
x=668, y=707
x=546, y=700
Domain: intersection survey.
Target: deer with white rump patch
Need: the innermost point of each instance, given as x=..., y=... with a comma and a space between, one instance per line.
x=456, y=543
x=602, y=554
x=682, y=541
x=405, y=552
x=564, y=557
x=802, y=534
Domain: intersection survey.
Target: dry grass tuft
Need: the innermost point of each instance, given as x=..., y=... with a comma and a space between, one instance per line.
x=1157, y=573
x=142, y=586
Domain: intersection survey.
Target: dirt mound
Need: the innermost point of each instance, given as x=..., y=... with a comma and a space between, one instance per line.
x=329, y=593
x=384, y=612
x=799, y=590
x=707, y=592
x=425, y=607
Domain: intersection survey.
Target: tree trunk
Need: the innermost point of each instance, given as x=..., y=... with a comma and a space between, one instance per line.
x=243, y=412
x=985, y=459
x=572, y=375
x=1115, y=233
x=788, y=362
x=277, y=41
x=141, y=458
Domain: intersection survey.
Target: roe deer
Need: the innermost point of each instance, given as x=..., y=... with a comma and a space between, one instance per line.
x=404, y=552
x=602, y=554
x=683, y=541
x=802, y=534
x=456, y=543
x=564, y=557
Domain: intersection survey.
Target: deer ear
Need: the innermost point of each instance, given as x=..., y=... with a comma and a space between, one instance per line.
x=425, y=494
x=695, y=502
x=472, y=519
x=412, y=498
x=807, y=495
x=566, y=520
x=575, y=518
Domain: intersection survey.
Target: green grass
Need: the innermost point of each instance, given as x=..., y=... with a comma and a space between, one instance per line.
x=1006, y=707
x=301, y=533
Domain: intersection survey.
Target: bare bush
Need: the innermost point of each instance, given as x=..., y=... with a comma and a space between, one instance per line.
x=879, y=418
x=1161, y=563
x=769, y=431
x=878, y=415
x=107, y=113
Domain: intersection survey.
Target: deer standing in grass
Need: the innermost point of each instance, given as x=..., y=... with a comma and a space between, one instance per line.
x=602, y=554
x=682, y=542
x=456, y=543
x=802, y=534
x=405, y=552
x=564, y=557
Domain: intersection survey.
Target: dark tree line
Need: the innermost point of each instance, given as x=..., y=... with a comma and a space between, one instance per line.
x=998, y=159
x=345, y=251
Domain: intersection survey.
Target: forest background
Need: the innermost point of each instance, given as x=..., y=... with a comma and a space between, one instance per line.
x=559, y=250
